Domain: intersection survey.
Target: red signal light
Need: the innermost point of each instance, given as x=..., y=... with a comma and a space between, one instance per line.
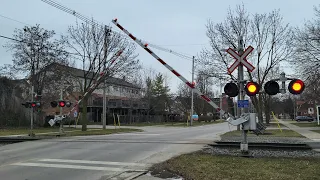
x=296, y=86
x=62, y=103
x=252, y=88
x=33, y=104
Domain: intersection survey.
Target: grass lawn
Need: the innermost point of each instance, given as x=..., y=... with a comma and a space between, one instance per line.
x=201, y=166
x=310, y=124
x=174, y=124
x=270, y=132
x=16, y=131
x=275, y=125
x=101, y=132
x=195, y=123
x=68, y=131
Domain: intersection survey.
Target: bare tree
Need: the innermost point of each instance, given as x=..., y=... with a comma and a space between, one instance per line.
x=183, y=98
x=204, y=84
x=33, y=49
x=306, y=58
x=266, y=32
x=95, y=45
x=11, y=111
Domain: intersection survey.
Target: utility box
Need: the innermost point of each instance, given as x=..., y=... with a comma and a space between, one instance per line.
x=252, y=123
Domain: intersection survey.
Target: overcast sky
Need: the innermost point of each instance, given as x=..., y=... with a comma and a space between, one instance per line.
x=178, y=25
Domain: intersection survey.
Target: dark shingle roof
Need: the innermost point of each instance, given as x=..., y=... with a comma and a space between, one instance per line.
x=79, y=73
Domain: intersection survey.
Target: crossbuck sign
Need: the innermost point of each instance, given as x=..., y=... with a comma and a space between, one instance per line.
x=240, y=59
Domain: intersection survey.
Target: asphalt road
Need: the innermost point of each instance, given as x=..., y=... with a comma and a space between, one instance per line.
x=117, y=156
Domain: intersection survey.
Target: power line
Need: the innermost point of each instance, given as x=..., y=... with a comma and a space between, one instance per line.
x=199, y=44
x=171, y=51
x=80, y=16
x=14, y=20
x=94, y=22
x=5, y=37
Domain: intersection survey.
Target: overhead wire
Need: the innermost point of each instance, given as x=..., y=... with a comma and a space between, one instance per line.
x=13, y=39
x=5, y=37
x=100, y=25
x=14, y=20
x=1, y=36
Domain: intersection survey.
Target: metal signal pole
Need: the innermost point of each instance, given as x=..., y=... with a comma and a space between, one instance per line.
x=60, y=113
x=192, y=79
x=244, y=143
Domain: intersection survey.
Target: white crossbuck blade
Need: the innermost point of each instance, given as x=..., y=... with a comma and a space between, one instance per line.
x=240, y=59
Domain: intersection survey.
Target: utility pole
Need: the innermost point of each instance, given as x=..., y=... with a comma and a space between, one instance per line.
x=244, y=143
x=192, y=80
x=104, y=106
x=31, y=112
x=104, y=103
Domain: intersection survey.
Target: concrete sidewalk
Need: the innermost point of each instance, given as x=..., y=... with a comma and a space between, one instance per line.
x=304, y=131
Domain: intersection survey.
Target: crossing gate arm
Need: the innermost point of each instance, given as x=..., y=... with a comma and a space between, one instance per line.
x=190, y=85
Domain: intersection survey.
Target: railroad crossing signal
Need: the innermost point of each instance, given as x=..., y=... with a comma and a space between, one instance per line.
x=31, y=104
x=54, y=104
x=272, y=88
x=251, y=89
x=231, y=89
x=240, y=59
x=60, y=103
x=296, y=86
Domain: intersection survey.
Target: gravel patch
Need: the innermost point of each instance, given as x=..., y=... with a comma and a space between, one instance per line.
x=264, y=139
x=263, y=152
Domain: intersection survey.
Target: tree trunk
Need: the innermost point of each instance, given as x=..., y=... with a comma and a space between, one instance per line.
x=84, y=120
x=257, y=105
x=260, y=109
x=267, y=109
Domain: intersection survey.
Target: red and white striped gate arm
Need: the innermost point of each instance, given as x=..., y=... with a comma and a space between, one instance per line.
x=144, y=46
x=99, y=79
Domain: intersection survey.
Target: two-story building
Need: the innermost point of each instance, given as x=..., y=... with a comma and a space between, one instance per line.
x=123, y=97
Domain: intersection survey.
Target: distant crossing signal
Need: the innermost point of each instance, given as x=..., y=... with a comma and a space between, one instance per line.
x=31, y=104
x=60, y=103
x=68, y=104
x=54, y=103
